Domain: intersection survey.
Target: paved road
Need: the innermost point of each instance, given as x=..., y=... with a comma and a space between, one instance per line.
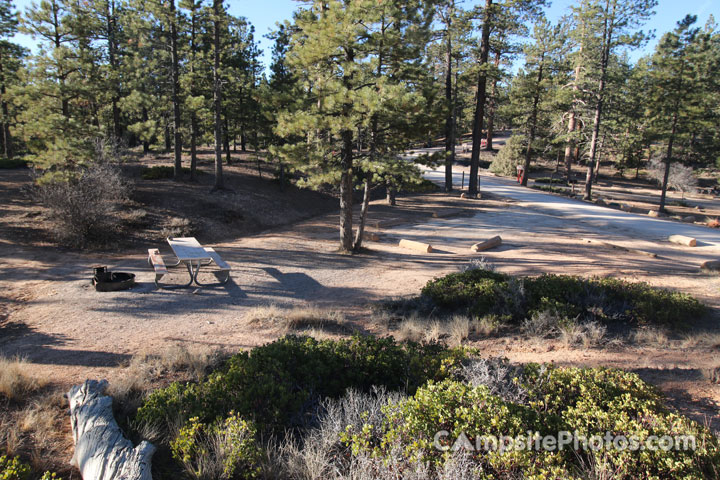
x=644, y=227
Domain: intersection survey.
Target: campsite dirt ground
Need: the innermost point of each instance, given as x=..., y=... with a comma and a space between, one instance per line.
x=51, y=315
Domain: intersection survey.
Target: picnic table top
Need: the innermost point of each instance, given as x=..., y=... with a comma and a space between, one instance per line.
x=188, y=248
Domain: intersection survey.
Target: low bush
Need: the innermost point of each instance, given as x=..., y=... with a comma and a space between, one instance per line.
x=587, y=401
x=83, y=202
x=224, y=450
x=13, y=469
x=551, y=180
x=280, y=385
x=482, y=292
x=159, y=172
x=7, y=163
x=549, y=189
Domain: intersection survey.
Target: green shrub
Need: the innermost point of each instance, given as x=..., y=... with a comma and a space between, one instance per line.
x=558, y=190
x=482, y=292
x=279, y=384
x=13, y=469
x=588, y=401
x=551, y=180
x=510, y=156
x=158, y=172
x=423, y=186
x=7, y=163
x=226, y=449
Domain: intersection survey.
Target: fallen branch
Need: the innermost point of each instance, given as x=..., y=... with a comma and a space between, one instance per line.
x=620, y=247
x=101, y=450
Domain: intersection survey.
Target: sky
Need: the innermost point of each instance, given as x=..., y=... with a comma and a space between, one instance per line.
x=264, y=14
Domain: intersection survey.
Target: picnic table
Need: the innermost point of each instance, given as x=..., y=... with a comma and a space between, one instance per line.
x=190, y=253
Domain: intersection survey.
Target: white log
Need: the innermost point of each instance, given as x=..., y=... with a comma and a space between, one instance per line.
x=683, y=240
x=487, y=244
x=101, y=450
x=413, y=245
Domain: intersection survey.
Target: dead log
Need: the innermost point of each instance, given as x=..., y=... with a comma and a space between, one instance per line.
x=683, y=240
x=101, y=450
x=487, y=244
x=413, y=245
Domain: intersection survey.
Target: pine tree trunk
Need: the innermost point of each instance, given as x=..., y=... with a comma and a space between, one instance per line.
x=363, y=215
x=112, y=60
x=480, y=104
x=604, y=60
x=491, y=109
x=570, y=149
x=217, y=95
x=146, y=143
x=177, y=173
x=346, y=179
x=533, y=124
x=668, y=159
x=450, y=120
x=226, y=138
x=346, y=193
x=193, y=146
x=6, y=139
x=390, y=193
x=193, y=115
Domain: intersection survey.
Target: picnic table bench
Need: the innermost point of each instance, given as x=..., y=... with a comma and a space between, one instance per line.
x=190, y=253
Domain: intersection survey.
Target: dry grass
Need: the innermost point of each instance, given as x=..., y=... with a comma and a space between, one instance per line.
x=650, y=337
x=38, y=430
x=16, y=383
x=146, y=368
x=486, y=326
x=434, y=331
x=287, y=320
x=702, y=340
x=458, y=330
x=587, y=335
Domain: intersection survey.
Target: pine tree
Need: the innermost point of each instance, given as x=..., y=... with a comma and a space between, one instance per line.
x=534, y=89
x=11, y=56
x=350, y=59
x=55, y=122
x=606, y=26
x=676, y=89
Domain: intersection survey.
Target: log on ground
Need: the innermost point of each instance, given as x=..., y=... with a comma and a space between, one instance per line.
x=101, y=450
x=493, y=242
x=413, y=245
x=683, y=240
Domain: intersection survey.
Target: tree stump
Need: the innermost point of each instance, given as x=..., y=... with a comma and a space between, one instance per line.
x=101, y=450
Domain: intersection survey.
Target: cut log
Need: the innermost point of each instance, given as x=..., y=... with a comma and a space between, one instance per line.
x=101, y=450
x=711, y=265
x=655, y=213
x=683, y=240
x=487, y=244
x=413, y=245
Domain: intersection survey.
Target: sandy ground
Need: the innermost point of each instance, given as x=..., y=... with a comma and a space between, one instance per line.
x=69, y=332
